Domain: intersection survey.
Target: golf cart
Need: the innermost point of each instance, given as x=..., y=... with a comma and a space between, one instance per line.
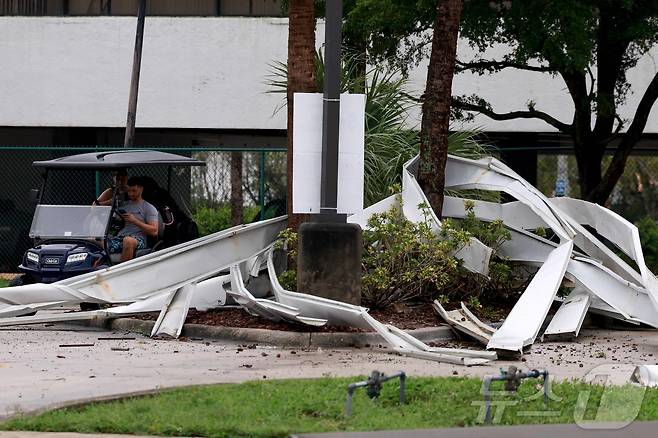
x=70, y=240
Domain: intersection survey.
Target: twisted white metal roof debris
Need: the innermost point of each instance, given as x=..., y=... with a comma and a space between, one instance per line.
x=194, y=274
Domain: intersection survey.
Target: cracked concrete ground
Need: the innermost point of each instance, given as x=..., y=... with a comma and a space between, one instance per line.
x=39, y=367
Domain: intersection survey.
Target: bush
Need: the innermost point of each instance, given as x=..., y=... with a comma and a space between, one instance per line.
x=649, y=237
x=505, y=280
x=211, y=220
x=406, y=262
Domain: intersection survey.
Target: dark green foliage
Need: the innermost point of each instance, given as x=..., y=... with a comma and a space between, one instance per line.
x=649, y=237
x=404, y=261
x=211, y=220
x=391, y=30
x=561, y=32
x=589, y=44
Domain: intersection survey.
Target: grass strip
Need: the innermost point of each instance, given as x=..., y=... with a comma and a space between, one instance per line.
x=279, y=408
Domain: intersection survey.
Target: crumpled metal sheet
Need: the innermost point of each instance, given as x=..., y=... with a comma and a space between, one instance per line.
x=464, y=321
x=569, y=318
x=185, y=276
x=645, y=375
x=475, y=256
x=165, y=281
x=591, y=274
x=524, y=321
x=269, y=309
x=522, y=325
x=610, y=293
x=491, y=175
x=617, y=230
x=344, y=314
x=172, y=316
x=604, y=282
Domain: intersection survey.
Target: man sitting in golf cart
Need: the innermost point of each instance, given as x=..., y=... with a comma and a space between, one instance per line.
x=141, y=221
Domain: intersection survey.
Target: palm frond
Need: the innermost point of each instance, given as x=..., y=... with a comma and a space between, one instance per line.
x=390, y=138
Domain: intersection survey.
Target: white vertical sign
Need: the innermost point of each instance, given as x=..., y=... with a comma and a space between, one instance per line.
x=307, y=153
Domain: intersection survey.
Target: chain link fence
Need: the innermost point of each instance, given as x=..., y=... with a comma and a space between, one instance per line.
x=236, y=186
x=243, y=185
x=634, y=197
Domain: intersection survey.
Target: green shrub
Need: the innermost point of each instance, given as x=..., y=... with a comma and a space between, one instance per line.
x=405, y=261
x=649, y=237
x=211, y=220
x=505, y=279
x=287, y=241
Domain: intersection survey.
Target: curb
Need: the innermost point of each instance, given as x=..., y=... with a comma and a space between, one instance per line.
x=273, y=337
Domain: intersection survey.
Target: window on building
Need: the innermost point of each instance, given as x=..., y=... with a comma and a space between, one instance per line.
x=203, y=8
x=31, y=7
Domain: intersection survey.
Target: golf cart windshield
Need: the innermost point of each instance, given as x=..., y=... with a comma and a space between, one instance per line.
x=70, y=221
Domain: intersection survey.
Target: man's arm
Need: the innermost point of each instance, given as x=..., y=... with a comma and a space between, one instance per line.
x=149, y=228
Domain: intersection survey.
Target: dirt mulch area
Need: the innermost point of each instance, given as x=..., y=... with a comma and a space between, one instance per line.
x=404, y=318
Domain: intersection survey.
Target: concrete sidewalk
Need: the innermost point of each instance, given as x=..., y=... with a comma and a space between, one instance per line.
x=41, y=367
x=634, y=430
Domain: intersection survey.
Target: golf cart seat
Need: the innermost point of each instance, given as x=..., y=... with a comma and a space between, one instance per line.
x=154, y=243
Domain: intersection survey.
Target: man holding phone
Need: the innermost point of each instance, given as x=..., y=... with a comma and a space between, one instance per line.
x=141, y=221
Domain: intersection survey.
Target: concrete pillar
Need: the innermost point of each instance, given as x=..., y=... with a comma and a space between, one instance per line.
x=329, y=261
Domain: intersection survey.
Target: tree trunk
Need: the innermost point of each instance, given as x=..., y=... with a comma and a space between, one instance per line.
x=237, y=202
x=301, y=75
x=589, y=156
x=628, y=141
x=436, y=106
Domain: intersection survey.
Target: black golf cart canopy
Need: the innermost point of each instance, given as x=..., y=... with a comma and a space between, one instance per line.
x=117, y=160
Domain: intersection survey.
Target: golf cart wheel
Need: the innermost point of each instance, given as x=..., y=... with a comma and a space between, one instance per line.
x=89, y=306
x=21, y=280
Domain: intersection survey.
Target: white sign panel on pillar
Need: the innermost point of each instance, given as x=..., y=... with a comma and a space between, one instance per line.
x=307, y=153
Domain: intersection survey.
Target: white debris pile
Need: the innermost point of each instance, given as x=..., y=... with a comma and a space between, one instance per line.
x=204, y=272
x=602, y=282
x=169, y=281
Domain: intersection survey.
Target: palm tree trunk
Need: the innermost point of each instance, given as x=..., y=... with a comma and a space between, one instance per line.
x=301, y=74
x=436, y=105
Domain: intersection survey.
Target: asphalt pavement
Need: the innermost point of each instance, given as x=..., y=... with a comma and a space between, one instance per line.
x=634, y=430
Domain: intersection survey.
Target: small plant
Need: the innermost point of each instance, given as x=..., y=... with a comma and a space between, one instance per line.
x=474, y=303
x=493, y=234
x=406, y=261
x=287, y=241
